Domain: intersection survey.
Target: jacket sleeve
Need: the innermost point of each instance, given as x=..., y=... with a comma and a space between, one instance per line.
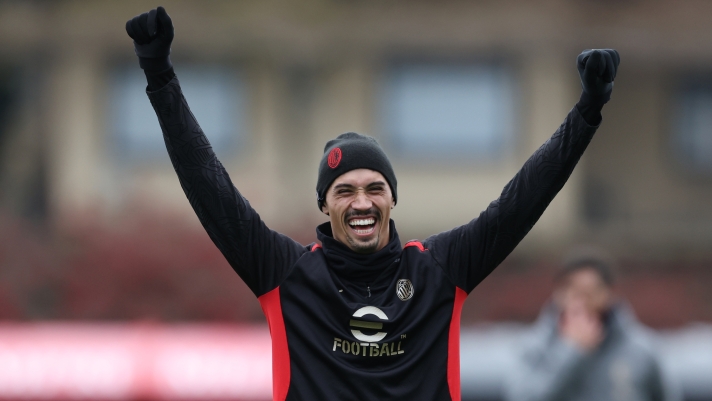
x=546, y=372
x=659, y=384
x=259, y=255
x=471, y=252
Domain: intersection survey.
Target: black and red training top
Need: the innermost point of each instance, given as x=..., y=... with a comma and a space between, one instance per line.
x=345, y=326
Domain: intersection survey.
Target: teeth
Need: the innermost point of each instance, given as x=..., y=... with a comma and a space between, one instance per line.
x=362, y=222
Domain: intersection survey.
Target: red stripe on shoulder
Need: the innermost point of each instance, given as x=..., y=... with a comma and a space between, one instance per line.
x=272, y=308
x=416, y=244
x=315, y=247
x=453, y=346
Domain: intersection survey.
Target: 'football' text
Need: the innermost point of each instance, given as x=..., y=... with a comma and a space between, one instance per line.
x=368, y=349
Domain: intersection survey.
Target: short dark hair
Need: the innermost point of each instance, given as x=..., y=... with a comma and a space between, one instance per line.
x=588, y=258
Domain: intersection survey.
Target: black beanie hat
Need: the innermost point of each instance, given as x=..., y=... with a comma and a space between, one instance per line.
x=351, y=151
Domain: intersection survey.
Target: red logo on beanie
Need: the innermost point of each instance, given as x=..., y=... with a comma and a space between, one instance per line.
x=334, y=158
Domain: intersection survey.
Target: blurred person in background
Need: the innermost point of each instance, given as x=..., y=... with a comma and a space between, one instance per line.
x=360, y=316
x=586, y=344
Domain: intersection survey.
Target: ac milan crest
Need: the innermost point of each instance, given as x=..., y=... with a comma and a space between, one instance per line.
x=334, y=158
x=404, y=289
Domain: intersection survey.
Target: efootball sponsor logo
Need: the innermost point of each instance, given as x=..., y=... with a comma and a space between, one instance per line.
x=361, y=324
x=368, y=344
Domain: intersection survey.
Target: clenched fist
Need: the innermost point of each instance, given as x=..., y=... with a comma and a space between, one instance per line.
x=152, y=33
x=597, y=69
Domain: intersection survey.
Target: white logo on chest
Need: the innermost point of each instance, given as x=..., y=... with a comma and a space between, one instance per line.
x=368, y=310
x=404, y=289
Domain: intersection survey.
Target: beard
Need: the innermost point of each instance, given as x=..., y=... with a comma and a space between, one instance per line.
x=369, y=246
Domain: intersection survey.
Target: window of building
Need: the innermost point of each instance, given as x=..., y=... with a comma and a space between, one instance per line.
x=216, y=96
x=454, y=111
x=692, y=127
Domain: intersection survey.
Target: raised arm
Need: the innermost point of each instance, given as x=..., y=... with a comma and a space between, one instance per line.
x=470, y=252
x=259, y=255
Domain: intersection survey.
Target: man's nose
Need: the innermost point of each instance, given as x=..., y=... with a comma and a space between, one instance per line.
x=361, y=202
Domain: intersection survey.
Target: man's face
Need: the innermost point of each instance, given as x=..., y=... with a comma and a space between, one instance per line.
x=585, y=287
x=359, y=206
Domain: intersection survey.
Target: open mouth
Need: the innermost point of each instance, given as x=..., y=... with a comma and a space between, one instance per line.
x=363, y=225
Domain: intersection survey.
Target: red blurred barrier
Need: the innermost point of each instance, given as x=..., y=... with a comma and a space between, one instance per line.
x=134, y=361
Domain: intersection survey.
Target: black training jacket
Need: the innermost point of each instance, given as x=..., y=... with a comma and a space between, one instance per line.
x=344, y=326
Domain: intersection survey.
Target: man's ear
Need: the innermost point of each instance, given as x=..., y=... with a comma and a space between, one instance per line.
x=324, y=209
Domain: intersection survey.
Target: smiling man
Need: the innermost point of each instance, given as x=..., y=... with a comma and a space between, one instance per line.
x=356, y=189
x=360, y=316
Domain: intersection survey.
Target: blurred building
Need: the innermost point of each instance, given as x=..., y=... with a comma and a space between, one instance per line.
x=459, y=93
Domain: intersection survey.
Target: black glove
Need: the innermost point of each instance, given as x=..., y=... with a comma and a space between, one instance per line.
x=152, y=33
x=597, y=69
